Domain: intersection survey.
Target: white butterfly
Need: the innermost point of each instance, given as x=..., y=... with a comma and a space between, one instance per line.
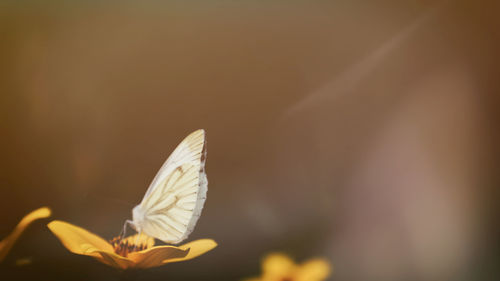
x=175, y=198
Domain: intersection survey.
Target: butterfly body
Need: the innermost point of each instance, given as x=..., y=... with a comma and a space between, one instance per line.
x=174, y=200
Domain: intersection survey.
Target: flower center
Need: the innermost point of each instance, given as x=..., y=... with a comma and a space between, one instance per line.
x=130, y=244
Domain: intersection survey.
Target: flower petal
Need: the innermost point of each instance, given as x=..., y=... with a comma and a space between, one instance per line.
x=78, y=240
x=82, y=242
x=7, y=243
x=155, y=256
x=114, y=260
x=196, y=248
x=277, y=266
x=313, y=270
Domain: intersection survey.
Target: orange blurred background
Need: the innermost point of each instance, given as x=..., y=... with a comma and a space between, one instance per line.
x=362, y=131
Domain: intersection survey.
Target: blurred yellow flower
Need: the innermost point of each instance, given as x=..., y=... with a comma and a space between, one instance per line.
x=131, y=252
x=279, y=267
x=7, y=243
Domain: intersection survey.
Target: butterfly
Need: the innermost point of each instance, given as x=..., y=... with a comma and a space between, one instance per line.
x=174, y=200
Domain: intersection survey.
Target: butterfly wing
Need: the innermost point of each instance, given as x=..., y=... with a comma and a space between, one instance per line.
x=175, y=198
x=190, y=150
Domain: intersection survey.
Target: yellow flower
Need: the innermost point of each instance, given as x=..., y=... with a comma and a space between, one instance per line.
x=131, y=252
x=279, y=267
x=8, y=242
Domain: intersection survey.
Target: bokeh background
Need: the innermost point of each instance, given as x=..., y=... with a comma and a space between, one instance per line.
x=365, y=132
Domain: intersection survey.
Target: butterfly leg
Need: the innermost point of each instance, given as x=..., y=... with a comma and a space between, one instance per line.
x=124, y=230
x=136, y=240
